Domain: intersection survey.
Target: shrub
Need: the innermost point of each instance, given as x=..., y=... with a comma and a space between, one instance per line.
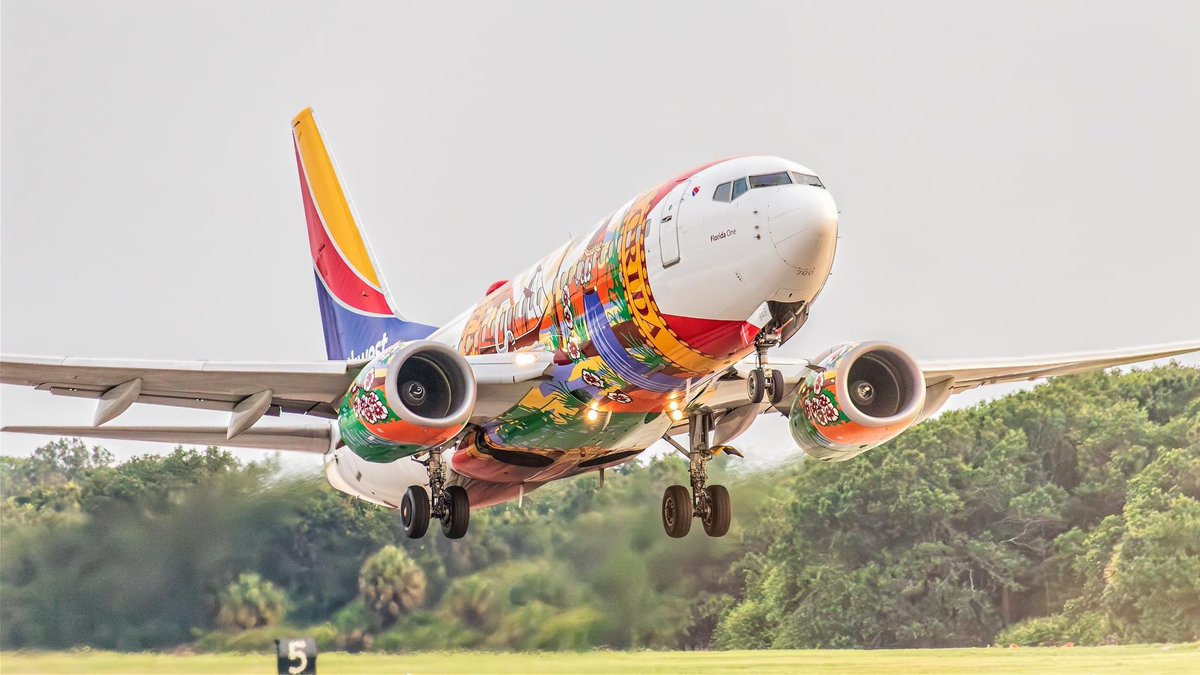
x=262, y=640
x=391, y=584
x=1087, y=628
x=250, y=602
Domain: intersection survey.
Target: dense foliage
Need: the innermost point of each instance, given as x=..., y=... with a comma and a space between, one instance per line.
x=1067, y=513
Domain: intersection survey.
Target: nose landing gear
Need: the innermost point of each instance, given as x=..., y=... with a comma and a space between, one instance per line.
x=761, y=382
x=450, y=505
x=709, y=503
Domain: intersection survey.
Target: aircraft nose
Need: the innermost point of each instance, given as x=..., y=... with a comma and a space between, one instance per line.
x=803, y=223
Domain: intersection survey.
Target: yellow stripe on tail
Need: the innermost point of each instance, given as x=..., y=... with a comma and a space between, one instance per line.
x=330, y=198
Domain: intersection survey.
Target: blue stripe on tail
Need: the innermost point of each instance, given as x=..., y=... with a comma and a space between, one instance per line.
x=350, y=335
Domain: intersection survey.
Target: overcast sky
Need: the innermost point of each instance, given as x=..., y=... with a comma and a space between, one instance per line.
x=1013, y=178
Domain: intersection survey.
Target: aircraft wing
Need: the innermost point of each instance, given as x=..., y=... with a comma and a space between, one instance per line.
x=247, y=390
x=305, y=387
x=970, y=374
x=292, y=437
x=942, y=380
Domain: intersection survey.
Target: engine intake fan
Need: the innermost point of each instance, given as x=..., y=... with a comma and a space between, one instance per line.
x=858, y=396
x=416, y=395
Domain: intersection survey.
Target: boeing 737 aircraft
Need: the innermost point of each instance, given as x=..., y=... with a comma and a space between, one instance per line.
x=657, y=322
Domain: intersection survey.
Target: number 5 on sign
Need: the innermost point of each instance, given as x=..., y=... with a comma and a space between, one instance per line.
x=296, y=654
x=296, y=657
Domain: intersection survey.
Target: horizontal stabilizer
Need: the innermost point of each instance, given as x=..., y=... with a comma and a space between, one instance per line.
x=292, y=437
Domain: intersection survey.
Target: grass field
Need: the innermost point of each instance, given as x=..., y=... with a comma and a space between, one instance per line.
x=1136, y=659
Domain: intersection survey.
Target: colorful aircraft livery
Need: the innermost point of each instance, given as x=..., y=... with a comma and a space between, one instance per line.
x=358, y=318
x=658, y=322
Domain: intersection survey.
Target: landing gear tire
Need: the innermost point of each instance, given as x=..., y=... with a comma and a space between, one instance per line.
x=457, y=512
x=755, y=386
x=677, y=511
x=720, y=513
x=709, y=503
x=448, y=504
x=775, y=387
x=414, y=512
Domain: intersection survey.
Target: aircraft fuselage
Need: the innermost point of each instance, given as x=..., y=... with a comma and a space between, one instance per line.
x=641, y=313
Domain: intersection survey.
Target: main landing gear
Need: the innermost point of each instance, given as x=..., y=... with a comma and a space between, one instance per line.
x=448, y=504
x=709, y=503
x=762, y=382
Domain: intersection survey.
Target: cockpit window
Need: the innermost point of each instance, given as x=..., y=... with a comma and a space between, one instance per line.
x=727, y=192
x=805, y=179
x=770, y=179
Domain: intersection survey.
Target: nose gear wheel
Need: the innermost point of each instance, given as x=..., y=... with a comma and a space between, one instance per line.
x=763, y=383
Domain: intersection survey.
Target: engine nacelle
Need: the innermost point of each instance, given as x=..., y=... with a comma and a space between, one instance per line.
x=416, y=395
x=863, y=395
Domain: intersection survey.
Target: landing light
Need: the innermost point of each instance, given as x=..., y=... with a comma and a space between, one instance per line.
x=592, y=415
x=676, y=414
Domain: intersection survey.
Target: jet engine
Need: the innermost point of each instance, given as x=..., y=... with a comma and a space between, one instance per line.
x=414, y=396
x=858, y=396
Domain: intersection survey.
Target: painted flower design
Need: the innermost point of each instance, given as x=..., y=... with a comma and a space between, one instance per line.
x=592, y=379
x=619, y=397
x=820, y=410
x=573, y=350
x=817, y=383
x=566, y=307
x=369, y=408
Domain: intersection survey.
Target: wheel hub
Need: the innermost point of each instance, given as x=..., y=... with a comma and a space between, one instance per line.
x=413, y=394
x=862, y=392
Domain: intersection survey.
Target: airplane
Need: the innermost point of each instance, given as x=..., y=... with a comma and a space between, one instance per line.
x=657, y=322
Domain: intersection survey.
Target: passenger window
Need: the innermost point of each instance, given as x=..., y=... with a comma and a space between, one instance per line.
x=722, y=193
x=770, y=180
x=739, y=187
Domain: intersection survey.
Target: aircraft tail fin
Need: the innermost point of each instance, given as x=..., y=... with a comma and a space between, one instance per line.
x=357, y=313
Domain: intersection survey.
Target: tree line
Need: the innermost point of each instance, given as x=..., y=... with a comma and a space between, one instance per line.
x=1068, y=513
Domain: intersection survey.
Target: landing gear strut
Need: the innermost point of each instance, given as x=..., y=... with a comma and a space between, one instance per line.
x=762, y=382
x=709, y=503
x=448, y=504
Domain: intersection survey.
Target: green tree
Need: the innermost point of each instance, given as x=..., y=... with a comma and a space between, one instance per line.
x=986, y=517
x=1063, y=513
x=391, y=584
x=250, y=602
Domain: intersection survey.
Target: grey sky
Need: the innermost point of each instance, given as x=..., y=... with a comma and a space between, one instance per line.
x=1014, y=178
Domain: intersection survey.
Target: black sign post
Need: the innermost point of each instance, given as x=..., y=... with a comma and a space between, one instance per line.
x=296, y=657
